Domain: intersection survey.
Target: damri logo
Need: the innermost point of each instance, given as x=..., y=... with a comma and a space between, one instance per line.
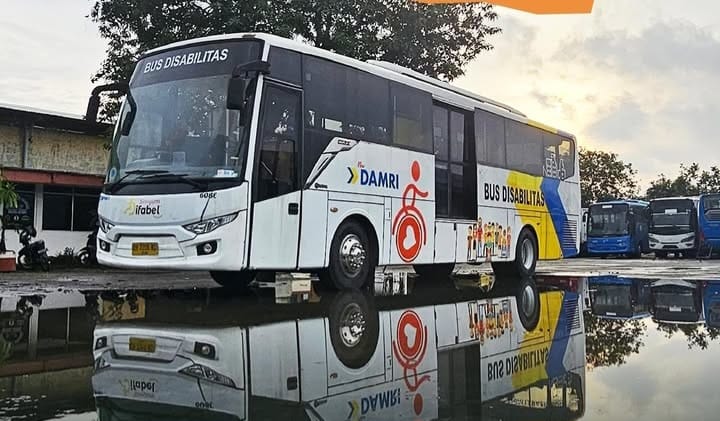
x=366, y=177
x=375, y=402
x=143, y=207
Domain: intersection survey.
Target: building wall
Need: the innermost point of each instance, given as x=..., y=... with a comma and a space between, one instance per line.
x=10, y=146
x=54, y=150
x=57, y=151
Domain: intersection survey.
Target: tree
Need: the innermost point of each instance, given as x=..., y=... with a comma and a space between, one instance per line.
x=8, y=197
x=690, y=181
x=604, y=176
x=438, y=40
x=610, y=341
x=698, y=336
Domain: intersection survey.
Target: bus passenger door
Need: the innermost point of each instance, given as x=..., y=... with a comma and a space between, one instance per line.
x=275, y=224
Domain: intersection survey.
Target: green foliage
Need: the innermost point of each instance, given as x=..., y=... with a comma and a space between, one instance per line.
x=8, y=196
x=691, y=180
x=604, y=176
x=609, y=341
x=438, y=40
x=697, y=335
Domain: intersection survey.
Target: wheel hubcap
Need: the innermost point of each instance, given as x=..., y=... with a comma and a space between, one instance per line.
x=352, y=255
x=528, y=300
x=352, y=325
x=527, y=253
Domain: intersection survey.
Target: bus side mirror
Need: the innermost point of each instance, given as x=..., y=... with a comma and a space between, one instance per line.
x=236, y=93
x=94, y=101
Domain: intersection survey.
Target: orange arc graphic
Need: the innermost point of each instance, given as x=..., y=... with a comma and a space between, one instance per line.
x=532, y=6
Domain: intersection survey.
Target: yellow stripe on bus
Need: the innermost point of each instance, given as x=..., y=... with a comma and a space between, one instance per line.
x=541, y=126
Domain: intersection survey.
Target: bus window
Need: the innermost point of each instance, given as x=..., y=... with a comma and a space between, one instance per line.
x=440, y=133
x=285, y=65
x=550, y=167
x=276, y=172
x=566, y=158
x=524, y=148
x=413, y=122
x=490, y=138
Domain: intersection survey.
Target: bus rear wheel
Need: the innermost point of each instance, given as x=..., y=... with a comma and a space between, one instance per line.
x=526, y=255
x=436, y=271
x=233, y=280
x=352, y=258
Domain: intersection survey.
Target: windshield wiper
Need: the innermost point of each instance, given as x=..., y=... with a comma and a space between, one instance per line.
x=175, y=177
x=116, y=185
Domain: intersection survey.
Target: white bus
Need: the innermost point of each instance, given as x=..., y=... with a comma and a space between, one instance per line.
x=248, y=152
x=352, y=363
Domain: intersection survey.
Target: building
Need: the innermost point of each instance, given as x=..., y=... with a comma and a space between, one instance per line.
x=57, y=162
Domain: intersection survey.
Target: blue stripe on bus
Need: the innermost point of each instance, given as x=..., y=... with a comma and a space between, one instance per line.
x=559, y=344
x=551, y=190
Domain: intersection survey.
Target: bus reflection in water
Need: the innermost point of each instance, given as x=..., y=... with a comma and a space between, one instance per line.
x=351, y=356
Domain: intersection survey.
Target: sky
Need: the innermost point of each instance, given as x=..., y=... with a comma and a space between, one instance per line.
x=633, y=77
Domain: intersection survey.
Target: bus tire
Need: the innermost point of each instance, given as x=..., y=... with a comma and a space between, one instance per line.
x=436, y=271
x=233, y=280
x=528, y=303
x=352, y=258
x=354, y=326
x=637, y=253
x=526, y=255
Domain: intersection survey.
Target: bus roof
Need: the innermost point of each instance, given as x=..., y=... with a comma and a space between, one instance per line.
x=622, y=202
x=440, y=90
x=659, y=199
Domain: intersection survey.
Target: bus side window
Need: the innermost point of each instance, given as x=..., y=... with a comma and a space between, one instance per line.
x=489, y=138
x=551, y=166
x=566, y=158
x=413, y=112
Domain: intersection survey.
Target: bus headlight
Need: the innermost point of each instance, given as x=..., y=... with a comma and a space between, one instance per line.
x=204, y=227
x=105, y=225
x=688, y=239
x=207, y=373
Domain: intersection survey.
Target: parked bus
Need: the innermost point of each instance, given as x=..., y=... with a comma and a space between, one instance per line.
x=249, y=152
x=673, y=224
x=709, y=223
x=616, y=297
x=353, y=361
x=618, y=227
x=676, y=301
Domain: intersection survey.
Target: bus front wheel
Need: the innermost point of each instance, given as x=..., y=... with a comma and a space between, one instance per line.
x=233, y=280
x=352, y=258
x=526, y=255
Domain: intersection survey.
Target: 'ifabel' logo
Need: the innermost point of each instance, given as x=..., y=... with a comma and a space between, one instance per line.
x=373, y=178
x=143, y=207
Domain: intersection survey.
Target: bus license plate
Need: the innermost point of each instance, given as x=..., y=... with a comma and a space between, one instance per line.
x=145, y=249
x=675, y=309
x=142, y=345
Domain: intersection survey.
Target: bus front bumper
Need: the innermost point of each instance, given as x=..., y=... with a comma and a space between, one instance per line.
x=670, y=243
x=167, y=248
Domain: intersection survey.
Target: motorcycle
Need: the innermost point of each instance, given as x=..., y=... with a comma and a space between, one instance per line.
x=33, y=252
x=88, y=255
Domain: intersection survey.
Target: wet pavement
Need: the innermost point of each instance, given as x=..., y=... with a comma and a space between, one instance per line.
x=591, y=345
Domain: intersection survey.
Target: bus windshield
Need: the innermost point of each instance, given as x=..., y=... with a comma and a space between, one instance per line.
x=711, y=202
x=671, y=216
x=175, y=118
x=613, y=299
x=608, y=220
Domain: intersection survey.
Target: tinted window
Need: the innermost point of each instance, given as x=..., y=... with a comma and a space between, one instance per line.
x=57, y=211
x=440, y=133
x=285, y=65
x=457, y=136
x=413, y=118
x=550, y=162
x=276, y=168
x=367, y=107
x=524, y=145
x=84, y=212
x=566, y=158
x=490, y=138
x=442, y=197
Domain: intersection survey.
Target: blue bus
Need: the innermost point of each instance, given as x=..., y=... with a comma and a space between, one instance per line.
x=617, y=297
x=709, y=222
x=711, y=303
x=618, y=227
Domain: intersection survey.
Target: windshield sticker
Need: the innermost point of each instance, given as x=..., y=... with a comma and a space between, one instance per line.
x=221, y=172
x=112, y=174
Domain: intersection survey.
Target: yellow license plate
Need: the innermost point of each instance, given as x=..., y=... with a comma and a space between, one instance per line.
x=145, y=249
x=142, y=345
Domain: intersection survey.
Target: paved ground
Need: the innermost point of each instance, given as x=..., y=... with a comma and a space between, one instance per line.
x=646, y=268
